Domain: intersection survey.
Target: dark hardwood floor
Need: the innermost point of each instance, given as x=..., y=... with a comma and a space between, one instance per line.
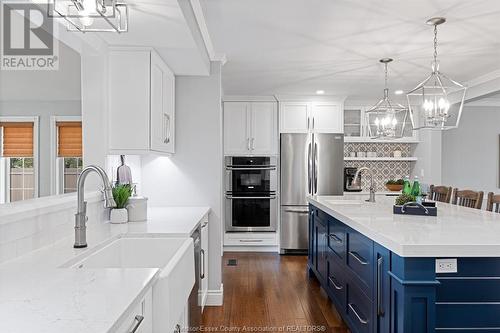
x=269, y=292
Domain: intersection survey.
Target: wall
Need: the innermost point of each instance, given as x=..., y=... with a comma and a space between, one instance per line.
x=428, y=152
x=471, y=152
x=193, y=176
x=43, y=94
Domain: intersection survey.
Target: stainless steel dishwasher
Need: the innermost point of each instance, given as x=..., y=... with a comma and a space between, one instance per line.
x=194, y=315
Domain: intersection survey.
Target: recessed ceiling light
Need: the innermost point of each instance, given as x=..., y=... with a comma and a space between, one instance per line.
x=398, y=92
x=320, y=92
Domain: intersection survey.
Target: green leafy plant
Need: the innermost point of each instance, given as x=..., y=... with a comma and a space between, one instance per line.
x=404, y=198
x=395, y=182
x=121, y=193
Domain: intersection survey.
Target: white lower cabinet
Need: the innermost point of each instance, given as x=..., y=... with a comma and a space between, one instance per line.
x=140, y=318
x=244, y=239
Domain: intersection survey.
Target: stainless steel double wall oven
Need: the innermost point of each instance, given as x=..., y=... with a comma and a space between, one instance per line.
x=251, y=185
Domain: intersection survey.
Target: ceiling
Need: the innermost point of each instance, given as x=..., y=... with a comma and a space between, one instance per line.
x=300, y=46
x=163, y=25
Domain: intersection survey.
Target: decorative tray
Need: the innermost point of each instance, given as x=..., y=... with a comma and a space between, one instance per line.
x=415, y=208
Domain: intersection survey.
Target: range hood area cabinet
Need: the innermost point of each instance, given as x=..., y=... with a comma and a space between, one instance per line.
x=141, y=103
x=311, y=117
x=250, y=128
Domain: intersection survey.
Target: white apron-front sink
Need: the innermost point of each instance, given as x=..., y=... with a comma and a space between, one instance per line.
x=173, y=256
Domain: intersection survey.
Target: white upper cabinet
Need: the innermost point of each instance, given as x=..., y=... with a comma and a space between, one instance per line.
x=236, y=128
x=250, y=128
x=318, y=117
x=141, y=103
x=294, y=117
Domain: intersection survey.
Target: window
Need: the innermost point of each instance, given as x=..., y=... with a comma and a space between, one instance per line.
x=22, y=178
x=69, y=154
x=18, y=181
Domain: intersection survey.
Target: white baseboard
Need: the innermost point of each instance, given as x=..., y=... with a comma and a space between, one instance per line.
x=215, y=297
x=229, y=248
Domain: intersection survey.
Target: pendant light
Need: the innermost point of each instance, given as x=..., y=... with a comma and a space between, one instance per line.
x=384, y=117
x=91, y=15
x=437, y=102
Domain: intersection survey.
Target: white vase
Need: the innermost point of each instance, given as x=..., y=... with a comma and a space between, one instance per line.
x=118, y=215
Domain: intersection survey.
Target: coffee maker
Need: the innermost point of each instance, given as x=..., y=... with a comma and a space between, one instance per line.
x=349, y=173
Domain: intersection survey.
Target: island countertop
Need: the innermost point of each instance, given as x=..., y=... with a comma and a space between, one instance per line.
x=455, y=232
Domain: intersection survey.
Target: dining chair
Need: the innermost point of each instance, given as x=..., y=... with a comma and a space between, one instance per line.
x=440, y=193
x=468, y=198
x=493, y=203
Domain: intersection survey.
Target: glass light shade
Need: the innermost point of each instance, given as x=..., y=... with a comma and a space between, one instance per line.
x=437, y=102
x=91, y=15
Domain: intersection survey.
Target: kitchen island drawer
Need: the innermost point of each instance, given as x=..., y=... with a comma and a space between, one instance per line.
x=358, y=310
x=360, y=259
x=336, y=280
x=337, y=238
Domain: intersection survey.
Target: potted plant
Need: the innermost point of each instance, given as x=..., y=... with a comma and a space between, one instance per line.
x=121, y=193
x=394, y=185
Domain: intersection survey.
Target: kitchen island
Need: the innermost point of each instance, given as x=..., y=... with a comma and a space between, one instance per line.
x=398, y=273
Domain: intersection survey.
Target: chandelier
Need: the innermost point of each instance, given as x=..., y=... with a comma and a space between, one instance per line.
x=385, y=116
x=437, y=102
x=91, y=15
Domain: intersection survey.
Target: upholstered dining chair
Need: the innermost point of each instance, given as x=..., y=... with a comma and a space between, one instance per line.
x=440, y=193
x=493, y=203
x=468, y=198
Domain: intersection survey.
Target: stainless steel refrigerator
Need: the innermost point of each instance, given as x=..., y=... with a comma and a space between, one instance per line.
x=311, y=164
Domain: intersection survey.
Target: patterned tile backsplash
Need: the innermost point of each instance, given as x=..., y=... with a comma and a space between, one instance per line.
x=382, y=149
x=383, y=170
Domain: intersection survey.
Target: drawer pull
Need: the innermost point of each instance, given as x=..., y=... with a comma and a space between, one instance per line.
x=359, y=258
x=138, y=320
x=361, y=320
x=380, y=309
x=336, y=286
x=336, y=238
x=251, y=240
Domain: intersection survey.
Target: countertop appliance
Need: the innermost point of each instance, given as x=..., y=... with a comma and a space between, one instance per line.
x=311, y=164
x=251, y=184
x=349, y=186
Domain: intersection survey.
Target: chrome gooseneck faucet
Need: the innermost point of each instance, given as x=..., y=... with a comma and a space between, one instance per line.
x=372, y=182
x=81, y=213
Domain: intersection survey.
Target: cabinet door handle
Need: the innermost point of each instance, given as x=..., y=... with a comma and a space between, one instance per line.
x=359, y=258
x=166, y=130
x=308, y=121
x=380, y=264
x=336, y=238
x=335, y=285
x=313, y=124
x=361, y=320
x=251, y=240
x=252, y=140
x=202, y=259
x=137, y=322
x=248, y=144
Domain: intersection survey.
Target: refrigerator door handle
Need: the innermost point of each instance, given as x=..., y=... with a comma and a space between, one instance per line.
x=309, y=168
x=315, y=181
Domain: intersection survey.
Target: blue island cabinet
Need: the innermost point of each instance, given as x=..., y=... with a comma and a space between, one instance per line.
x=373, y=289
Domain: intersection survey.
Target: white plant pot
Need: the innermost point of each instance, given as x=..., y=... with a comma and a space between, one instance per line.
x=118, y=215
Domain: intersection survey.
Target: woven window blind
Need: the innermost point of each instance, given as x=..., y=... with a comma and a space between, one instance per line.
x=69, y=139
x=17, y=140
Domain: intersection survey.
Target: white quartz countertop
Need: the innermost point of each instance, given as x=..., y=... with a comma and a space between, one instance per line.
x=455, y=232
x=36, y=295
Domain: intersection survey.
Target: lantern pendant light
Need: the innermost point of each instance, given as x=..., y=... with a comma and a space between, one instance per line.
x=385, y=116
x=437, y=102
